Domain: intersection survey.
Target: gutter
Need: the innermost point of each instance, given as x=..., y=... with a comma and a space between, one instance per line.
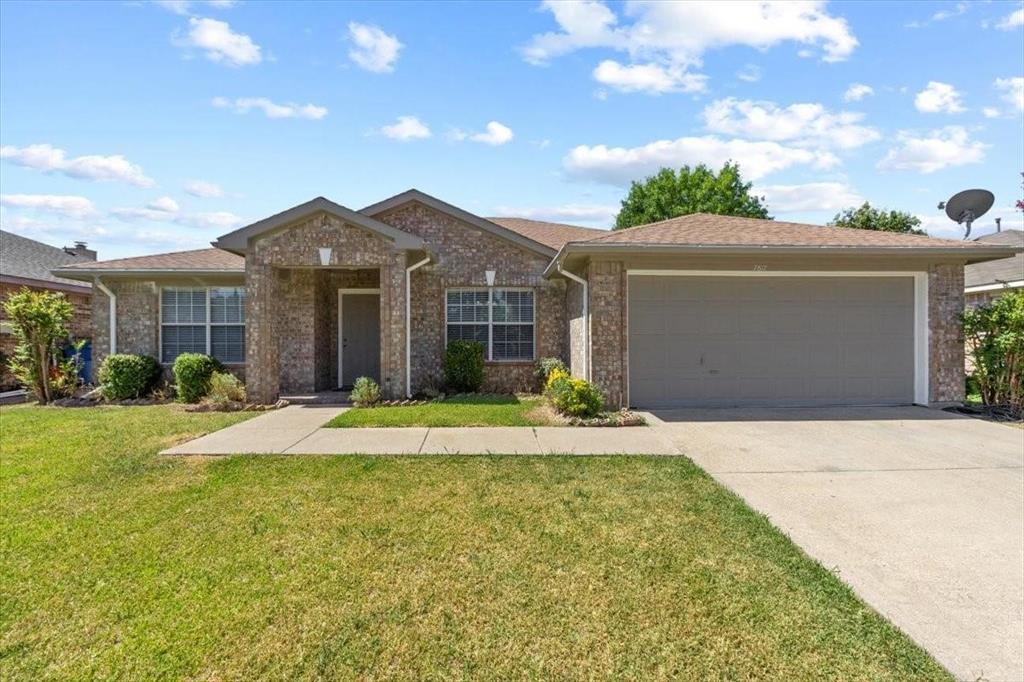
x=586, y=318
x=998, y=285
x=113, y=312
x=84, y=273
x=408, y=324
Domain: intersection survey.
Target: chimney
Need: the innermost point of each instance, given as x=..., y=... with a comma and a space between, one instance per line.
x=81, y=249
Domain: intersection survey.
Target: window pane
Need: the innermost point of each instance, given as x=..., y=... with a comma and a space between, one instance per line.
x=183, y=305
x=513, y=306
x=467, y=306
x=513, y=342
x=227, y=305
x=178, y=339
x=469, y=332
x=227, y=343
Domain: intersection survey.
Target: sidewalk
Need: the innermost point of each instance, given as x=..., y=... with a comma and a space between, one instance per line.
x=296, y=430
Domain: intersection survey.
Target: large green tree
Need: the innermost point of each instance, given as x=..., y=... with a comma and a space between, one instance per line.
x=669, y=194
x=867, y=217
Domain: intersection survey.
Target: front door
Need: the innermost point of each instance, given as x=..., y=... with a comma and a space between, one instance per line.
x=358, y=336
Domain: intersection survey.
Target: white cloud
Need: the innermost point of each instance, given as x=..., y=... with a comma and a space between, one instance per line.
x=495, y=135
x=61, y=204
x=49, y=159
x=374, y=50
x=1011, y=21
x=222, y=220
x=943, y=14
x=220, y=43
x=938, y=149
x=805, y=124
x=165, y=204
x=166, y=210
x=857, y=91
x=990, y=112
x=621, y=165
x=184, y=7
x=653, y=79
x=243, y=105
x=813, y=196
x=203, y=189
x=751, y=73
x=599, y=215
x=938, y=97
x=1012, y=91
x=406, y=128
x=675, y=35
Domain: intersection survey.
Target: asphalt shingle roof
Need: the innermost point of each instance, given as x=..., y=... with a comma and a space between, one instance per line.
x=199, y=259
x=720, y=230
x=554, y=235
x=997, y=271
x=26, y=258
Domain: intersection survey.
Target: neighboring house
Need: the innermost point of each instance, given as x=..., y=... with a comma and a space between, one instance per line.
x=25, y=262
x=991, y=279
x=697, y=310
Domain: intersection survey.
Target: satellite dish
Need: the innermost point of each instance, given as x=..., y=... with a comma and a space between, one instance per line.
x=968, y=206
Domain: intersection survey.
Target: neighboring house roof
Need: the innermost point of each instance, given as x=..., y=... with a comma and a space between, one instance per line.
x=465, y=216
x=554, y=235
x=197, y=261
x=26, y=261
x=238, y=240
x=1002, y=271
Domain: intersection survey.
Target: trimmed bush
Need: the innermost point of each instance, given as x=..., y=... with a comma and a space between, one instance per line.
x=225, y=388
x=576, y=397
x=124, y=377
x=192, y=373
x=365, y=392
x=464, y=366
x=545, y=366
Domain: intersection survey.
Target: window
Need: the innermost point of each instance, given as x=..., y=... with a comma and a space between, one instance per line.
x=501, y=319
x=202, y=320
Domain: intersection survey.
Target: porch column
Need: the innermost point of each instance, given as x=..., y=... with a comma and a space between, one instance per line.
x=392, y=326
x=262, y=371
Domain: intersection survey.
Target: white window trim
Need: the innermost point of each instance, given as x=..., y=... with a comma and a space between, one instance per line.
x=921, y=333
x=490, y=320
x=208, y=324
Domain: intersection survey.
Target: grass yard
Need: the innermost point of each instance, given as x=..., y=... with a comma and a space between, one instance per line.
x=462, y=410
x=118, y=563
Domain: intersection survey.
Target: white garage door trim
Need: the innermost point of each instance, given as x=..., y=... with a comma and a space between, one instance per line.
x=920, y=307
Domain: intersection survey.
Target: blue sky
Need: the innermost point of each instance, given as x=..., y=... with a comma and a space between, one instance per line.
x=147, y=127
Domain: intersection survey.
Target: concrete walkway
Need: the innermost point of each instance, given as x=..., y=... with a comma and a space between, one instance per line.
x=296, y=430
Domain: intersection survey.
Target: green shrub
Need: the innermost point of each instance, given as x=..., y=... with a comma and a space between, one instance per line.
x=464, y=366
x=39, y=321
x=555, y=380
x=576, y=397
x=225, y=388
x=995, y=339
x=365, y=392
x=545, y=366
x=123, y=376
x=192, y=373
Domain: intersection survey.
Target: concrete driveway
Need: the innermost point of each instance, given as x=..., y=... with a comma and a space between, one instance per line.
x=920, y=511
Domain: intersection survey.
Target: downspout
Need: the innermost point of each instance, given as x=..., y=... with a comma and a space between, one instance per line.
x=586, y=318
x=408, y=324
x=113, y=312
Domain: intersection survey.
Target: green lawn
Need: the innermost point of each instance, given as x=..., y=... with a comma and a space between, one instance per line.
x=118, y=563
x=463, y=410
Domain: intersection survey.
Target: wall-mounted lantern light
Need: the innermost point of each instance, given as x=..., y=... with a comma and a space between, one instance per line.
x=490, y=277
x=325, y=256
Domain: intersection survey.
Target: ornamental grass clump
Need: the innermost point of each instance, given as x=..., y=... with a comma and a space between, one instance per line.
x=225, y=389
x=995, y=340
x=365, y=392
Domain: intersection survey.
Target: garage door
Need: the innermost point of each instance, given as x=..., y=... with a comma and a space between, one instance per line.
x=734, y=340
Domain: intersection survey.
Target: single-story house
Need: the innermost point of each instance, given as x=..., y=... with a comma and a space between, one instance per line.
x=697, y=310
x=29, y=263
x=991, y=279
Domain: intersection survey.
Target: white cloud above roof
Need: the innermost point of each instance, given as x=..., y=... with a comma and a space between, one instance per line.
x=1012, y=90
x=406, y=128
x=857, y=91
x=220, y=43
x=1014, y=19
x=50, y=159
x=61, y=204
x=806, y=124
x=933, y=151
x=653, y=79
x=938, y=97
x=203, y=189
x=812, y=196
x=271, y=109
x=372, y=48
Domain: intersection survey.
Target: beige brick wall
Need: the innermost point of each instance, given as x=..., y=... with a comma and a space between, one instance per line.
x=462, y=255
x=577, y=360
x=607, y=282
x=945, y=338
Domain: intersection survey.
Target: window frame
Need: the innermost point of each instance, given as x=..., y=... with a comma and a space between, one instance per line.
x=208, y=324
x=489, y=356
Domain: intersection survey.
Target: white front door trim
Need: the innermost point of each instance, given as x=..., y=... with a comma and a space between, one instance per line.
x=920, y=307
x=341, y=327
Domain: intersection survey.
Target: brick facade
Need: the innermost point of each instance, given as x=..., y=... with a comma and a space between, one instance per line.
x=945, y=334
x=461, y=255
x=80, y=328
x=607, y=282
x=138, y=319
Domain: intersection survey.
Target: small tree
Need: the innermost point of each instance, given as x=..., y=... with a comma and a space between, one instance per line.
x=40, y=322
x=668, y=194
x=995, y=340
x=867, y=217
